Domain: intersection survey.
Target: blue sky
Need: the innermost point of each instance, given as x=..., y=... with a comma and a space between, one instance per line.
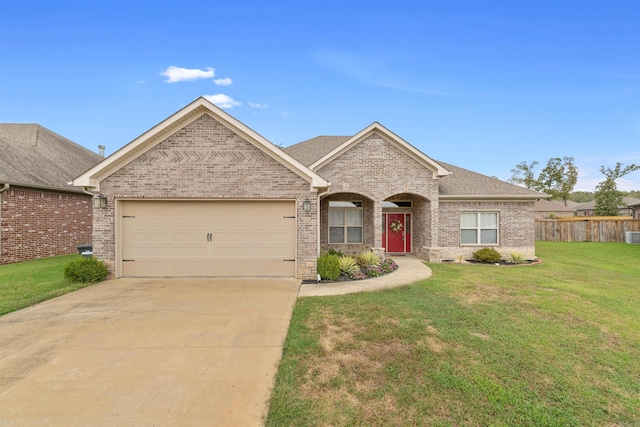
x=483, y=85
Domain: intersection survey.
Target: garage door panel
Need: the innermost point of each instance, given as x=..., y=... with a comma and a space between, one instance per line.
x=143, y=267
x=187, y=268
x=194, y=238
x=185, y=253
x=265, y=268
x=217, y=238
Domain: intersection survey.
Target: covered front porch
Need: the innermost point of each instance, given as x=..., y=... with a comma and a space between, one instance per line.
x=400, y=223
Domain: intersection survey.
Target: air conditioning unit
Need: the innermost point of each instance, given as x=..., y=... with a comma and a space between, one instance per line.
x=632, y=237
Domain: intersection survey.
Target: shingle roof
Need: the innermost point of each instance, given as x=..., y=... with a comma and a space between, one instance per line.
x=626, y=202
x=33, y=156
x=461, y=182
x=555, y=205
x=307, y=152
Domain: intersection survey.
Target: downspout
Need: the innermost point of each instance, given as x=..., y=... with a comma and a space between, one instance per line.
x=85, y=191
x=5, y=187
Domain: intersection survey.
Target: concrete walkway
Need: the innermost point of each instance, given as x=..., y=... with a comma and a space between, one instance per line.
x=410, y=270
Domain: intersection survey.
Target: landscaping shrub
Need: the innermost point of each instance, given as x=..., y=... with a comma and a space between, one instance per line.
x=373, y=272
x=388, y=266
x=486, y=255
x=357, y=275
x=516, y=258
x=329, y=266
x=368, y=259
x=335, y=252
x=86, y=270
x=348, y=265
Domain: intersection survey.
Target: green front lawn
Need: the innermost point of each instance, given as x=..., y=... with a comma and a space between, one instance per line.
x=554, y=344
x=30, y=282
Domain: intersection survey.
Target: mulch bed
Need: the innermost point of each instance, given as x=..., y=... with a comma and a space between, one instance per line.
x=345, y=278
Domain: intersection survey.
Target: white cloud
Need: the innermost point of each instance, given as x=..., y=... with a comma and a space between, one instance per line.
x=223, y=101
x=177, y=74
x=223, y=82
x=256, y=105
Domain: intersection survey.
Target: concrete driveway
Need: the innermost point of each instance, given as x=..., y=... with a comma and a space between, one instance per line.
x=146, y=352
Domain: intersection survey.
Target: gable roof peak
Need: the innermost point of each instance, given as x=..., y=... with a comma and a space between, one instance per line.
x=178, y=120
x=410, y=150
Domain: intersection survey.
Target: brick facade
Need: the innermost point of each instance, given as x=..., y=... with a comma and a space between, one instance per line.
x=376, y=170
x=373, y=171
x=379, y=170
x=38, y=224
x=515, y=232
x=206, y=161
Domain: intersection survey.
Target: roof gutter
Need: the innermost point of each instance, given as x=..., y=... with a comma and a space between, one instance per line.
x=464, y=197
x=5, y=187
x=85, y=191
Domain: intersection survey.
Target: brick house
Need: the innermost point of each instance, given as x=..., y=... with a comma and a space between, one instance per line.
x=625, y=209
x=41, y=215
x=201, y=194
x=545, y=209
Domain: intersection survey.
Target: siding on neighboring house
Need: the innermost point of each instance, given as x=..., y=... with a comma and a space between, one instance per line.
x=38, y=224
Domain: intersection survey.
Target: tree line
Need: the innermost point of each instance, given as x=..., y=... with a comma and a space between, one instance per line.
x=560, y=175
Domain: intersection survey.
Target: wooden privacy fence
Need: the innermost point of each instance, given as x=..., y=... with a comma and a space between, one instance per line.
x=585, y=229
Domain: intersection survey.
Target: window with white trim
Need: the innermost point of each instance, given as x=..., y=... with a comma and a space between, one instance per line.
x=345, y=222
x=479, y=228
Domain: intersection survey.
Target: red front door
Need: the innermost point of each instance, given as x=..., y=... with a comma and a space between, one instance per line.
x=396, y=233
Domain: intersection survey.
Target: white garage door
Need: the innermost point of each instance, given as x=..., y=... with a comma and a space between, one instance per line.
x=215, y=238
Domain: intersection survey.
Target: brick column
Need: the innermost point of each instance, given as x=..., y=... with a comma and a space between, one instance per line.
x=377, y=227
x=434, y=223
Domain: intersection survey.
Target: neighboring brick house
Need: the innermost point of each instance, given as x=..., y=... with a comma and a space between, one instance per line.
x=201, y=194
x=545, y=209
x=41, y=215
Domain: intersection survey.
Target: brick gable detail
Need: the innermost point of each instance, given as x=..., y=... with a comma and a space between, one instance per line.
x=207, y=161
x=378, y=169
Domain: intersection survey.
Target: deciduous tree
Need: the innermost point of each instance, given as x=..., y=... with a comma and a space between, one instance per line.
x=557, y=178
x=608, y=198
x=524, y=174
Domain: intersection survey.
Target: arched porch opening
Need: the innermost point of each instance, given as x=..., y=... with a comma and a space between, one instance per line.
x=406, y=223
x=347, y=222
